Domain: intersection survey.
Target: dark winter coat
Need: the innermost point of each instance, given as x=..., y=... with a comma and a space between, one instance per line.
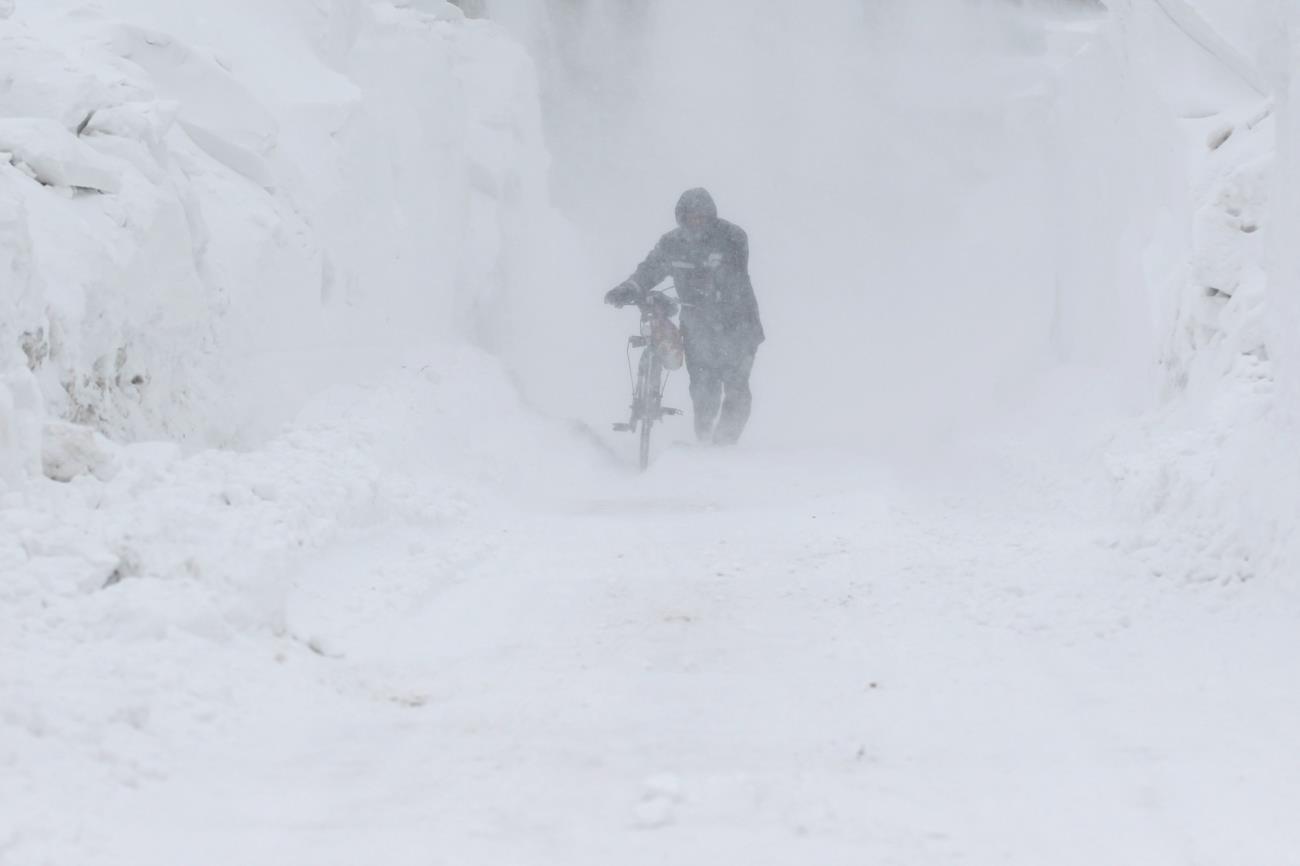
x=711, y=273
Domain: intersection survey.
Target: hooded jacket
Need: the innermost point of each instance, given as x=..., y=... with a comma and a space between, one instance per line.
x=711, y=273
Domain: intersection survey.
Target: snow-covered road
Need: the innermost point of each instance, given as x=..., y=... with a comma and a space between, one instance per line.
x=422, y=624
x=759, y=656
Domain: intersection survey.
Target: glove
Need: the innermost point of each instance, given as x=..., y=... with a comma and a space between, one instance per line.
x=623, y=294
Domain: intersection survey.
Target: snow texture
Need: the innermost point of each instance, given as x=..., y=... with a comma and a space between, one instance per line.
x=1209, y=478
x=273, y=207
x=311, y=550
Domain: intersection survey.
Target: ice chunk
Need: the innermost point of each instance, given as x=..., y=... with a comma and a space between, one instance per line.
x=230, y=154
x=207, y=95
x=220, y=115
x=71, y=450
x=56, y=156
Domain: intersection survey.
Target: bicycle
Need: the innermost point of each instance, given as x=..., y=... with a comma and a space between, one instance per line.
x=662, y=352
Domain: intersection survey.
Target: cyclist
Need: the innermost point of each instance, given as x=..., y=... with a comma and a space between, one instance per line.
x=708, y=259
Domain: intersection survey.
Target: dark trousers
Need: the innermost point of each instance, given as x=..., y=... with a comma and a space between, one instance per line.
x=719, y=389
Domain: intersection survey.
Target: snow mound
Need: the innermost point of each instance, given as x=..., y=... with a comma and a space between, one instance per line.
x=135, y=600
x=208, y=213
x=71, y=450
x=1210, y=480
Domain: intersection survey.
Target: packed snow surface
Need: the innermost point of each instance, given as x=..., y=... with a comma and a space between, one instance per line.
x=390, y=636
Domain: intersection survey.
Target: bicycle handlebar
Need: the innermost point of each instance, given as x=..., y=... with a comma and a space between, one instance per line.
x=660, y=303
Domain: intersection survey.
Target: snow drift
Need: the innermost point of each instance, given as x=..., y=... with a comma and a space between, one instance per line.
x=1209, y=477
x=208, y=210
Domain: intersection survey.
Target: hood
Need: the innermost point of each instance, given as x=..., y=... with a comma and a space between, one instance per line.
x=696, y=200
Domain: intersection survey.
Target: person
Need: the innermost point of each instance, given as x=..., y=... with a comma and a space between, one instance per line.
x=708, y=259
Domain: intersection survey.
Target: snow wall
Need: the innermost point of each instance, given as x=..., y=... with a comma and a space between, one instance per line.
x=1210, y=479
x=208, y=210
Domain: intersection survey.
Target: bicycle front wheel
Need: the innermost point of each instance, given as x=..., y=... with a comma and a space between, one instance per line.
x=648, y=400
x=645, y=443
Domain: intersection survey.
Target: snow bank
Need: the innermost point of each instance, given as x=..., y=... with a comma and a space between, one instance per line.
x=1284, y=284
x=205, y=213
x=137, y=607
x=1210, y=479
x=211, y=214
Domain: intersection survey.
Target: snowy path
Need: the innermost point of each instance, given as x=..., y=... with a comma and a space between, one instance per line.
x=745, y=658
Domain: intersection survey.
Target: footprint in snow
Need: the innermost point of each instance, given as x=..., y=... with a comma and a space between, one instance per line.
x=660, y=796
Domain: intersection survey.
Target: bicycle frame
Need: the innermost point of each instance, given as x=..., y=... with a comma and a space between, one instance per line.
x=647, y=407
